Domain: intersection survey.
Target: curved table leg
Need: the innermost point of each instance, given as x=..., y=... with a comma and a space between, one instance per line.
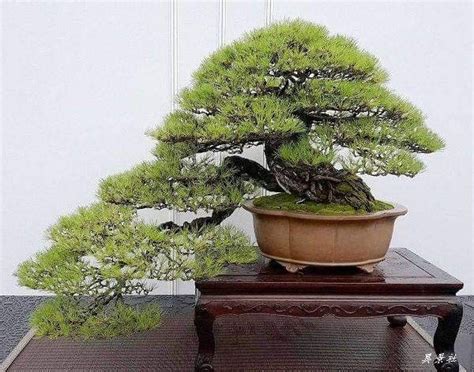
x=397, y=321
x=445, y=335
x=204, y=321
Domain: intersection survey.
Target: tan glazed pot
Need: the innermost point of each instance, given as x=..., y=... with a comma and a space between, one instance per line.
x=299, y=239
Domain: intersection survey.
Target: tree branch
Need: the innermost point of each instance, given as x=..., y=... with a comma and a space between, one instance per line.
x=251, y=139
x=250, y=170
x=244, y=169
x=199, y=223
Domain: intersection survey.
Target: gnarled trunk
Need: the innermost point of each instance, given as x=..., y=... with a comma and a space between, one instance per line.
x=323, y=184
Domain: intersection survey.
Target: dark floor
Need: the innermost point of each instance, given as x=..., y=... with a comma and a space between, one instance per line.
x=465, y=340
x=352, y=335
x=14, y=313
x=244, y=343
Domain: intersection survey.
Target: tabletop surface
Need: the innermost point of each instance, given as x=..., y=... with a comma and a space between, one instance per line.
x=401, y=273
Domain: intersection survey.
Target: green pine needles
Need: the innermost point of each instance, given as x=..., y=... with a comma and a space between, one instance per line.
x=101, y=253
x=318, y=106
x=64, y=316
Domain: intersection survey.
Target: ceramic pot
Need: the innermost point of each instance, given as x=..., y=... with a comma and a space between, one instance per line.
x=298, y=239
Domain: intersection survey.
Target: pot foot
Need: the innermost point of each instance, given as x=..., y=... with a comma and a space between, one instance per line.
x=292, y=267
x=368, y=268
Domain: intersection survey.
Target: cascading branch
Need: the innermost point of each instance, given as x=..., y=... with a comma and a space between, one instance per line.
x=318, y=106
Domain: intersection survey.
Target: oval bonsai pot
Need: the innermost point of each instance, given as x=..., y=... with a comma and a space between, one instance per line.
x=300, y=239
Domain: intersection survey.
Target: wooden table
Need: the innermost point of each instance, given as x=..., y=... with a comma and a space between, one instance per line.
x=403, y=284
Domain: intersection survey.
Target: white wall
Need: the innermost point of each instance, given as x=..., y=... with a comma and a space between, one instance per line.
x=81, y=82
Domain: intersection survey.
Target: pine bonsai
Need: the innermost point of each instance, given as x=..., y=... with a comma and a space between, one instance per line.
x=318, y=106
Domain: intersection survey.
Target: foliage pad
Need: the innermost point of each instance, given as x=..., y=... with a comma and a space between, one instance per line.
x=63, y=316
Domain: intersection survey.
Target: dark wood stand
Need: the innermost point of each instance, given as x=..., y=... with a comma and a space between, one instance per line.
x=403, y=284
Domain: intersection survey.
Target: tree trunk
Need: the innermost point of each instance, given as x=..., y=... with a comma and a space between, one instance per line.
x=323, y=184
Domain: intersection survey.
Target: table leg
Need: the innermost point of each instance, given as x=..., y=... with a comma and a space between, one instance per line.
x=204, y=321
x=445, y=335
x=397, y=321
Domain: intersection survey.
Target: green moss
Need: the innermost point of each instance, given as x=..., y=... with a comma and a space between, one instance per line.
x=289, y=202
x=344, y=187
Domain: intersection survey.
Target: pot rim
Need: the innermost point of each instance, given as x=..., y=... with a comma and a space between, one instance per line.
x=397, y=210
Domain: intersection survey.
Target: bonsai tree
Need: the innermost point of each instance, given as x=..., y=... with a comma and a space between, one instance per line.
x=318, y=106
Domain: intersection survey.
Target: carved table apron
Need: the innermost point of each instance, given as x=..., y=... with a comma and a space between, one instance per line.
x=403, y=284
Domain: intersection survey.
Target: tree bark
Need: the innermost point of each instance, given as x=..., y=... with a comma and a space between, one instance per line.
x=199, y=223
x=247, y=170
x=323, y=184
